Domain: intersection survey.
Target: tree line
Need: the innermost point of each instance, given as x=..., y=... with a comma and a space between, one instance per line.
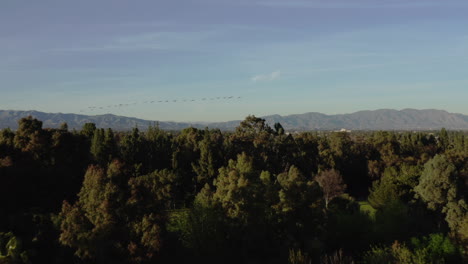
x=254, y=195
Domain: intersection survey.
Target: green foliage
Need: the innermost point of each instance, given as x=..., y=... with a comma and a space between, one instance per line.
x=30, y=137
x=279, y=130
x=158, y=187
x=385, y=190
x=337, y=257
x=88, y=130
x=392, y=222
x=253, y=125
x=296, y=192
x=7, y=137
x=211, y=157
x=158, y=150
x=254, y=136
x=443, y=140
x=145, y=238
x=238, y=188
x=378, y=255
x=435, y=248
x=185, y=154
x=247, y=196
x=437, y=185
x=307, y=157
x=298, y=257
x=98, y=147
x=114, y=218
x=200, y=229
x=387, y=145
x=75, y=227
x=10, y=247
x=456, y=216
x=338, y=151
x=395, y=184
x=366, y=208
x=349, y=230
x=132, y=147
x=89, y=224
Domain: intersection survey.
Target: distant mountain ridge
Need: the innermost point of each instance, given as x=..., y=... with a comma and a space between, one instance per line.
x=382, y=119
x=9, y=118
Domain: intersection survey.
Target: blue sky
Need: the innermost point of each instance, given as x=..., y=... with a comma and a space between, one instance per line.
x=279, y=57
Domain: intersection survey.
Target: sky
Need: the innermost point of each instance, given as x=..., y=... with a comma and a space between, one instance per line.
x=220, y=60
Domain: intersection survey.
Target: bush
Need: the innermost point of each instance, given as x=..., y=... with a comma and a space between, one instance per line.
x=435, y=248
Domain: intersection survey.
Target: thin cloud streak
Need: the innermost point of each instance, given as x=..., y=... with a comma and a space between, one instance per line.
x=266, y=77
x=355, y=4
x=162, y=41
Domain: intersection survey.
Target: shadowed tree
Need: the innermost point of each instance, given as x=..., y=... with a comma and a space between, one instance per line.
x=88, y=130
x=253, y=125
x=443, y=141
x=31, y=138
x=158, y=149
x=295, y=191
x=299, y=208
x=63, y=126
x=88, y=225
x=115, y=220
x=385, y=190
x=160, y=187
x=252, y=136
x=97, y=147
x=185, y=153
x=211, y=157
x=132, y=149
x=7, y=137
x=279, y=130
x=103, y=146
x=307, y=158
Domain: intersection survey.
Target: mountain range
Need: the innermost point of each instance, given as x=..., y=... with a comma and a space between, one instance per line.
x=382, y=119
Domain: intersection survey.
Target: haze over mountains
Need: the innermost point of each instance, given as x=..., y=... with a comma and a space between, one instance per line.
x=383, y=119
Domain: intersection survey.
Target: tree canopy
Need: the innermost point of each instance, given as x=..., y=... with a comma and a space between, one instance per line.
x=259, y=194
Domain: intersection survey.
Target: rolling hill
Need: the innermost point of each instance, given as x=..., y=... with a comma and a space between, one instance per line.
x=383, y=119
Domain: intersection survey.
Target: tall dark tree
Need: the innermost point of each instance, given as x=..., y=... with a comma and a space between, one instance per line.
x=158, y=149
x=211, y=157
x=30, y=137
x=443, y=141
x=132, y=149
x=88, y=130
x=114, y=220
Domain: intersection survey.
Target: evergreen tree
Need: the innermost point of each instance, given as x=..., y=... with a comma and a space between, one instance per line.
x=437, y=185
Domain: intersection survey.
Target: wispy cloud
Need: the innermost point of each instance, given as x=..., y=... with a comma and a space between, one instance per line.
x=266, y=77
x=355, y=3
x=163, y=40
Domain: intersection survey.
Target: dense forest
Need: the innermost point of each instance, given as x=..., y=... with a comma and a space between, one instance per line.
x=255, y=195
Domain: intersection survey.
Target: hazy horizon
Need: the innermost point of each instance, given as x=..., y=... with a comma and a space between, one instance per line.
x=232, y=59
x=240, y=119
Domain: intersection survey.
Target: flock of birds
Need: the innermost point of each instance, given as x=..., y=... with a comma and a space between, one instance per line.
x=205, y=99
